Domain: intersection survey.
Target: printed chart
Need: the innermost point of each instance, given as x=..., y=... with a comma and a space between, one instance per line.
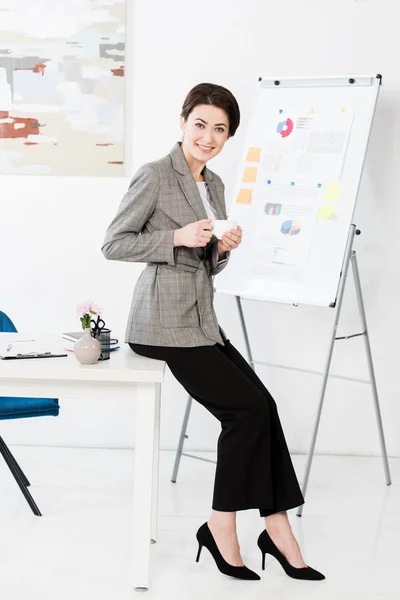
x=290, y=183
x=290, y=227
x=285, y=128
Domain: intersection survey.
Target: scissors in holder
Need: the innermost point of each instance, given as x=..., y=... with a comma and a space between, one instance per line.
x=98, y=325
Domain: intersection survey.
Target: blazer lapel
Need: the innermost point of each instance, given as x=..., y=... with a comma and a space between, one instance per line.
x=187, y=182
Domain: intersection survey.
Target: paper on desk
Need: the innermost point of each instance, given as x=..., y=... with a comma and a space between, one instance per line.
x=13, y=348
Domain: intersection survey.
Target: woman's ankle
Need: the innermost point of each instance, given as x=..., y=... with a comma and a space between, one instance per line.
x=222, y=521
x=277, y=523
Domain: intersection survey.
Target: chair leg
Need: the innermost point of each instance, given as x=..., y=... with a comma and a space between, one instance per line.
x=16, y=472
x=14, y=462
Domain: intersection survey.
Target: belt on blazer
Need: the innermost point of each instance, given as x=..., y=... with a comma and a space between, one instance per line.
x=204, y=293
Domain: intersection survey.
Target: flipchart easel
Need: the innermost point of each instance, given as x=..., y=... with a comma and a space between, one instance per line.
x=349, y=258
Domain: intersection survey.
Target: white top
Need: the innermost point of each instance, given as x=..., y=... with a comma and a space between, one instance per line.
x=206, y=199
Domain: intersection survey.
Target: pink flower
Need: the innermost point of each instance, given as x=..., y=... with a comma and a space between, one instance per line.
x=86, y=311
x=86, y=308
x=94, y=308
x=82, y=309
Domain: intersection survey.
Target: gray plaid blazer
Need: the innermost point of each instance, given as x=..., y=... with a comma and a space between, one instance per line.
x=173, y=298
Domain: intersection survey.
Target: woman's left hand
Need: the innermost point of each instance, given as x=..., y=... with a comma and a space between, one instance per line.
x=230, y=240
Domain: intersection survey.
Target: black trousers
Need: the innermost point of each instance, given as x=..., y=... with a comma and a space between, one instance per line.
x=254, y=468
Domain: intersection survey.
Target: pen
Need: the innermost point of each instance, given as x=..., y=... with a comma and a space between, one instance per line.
x=15, y=342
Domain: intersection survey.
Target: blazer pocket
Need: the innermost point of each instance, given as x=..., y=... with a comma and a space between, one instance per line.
x=177, y=298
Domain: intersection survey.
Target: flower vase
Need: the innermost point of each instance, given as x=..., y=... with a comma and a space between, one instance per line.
x=87, y=349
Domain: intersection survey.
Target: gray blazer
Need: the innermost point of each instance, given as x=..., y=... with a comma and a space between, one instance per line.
x=173, y=298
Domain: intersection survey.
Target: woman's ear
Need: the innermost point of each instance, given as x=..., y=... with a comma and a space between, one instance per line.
x=183, y=124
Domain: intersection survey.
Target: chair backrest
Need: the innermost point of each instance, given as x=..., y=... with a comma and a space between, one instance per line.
x=6, y=325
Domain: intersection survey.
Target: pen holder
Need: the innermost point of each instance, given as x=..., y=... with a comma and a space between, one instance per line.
x=104, y=338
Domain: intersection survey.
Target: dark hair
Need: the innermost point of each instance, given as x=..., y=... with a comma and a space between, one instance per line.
x=216, y=95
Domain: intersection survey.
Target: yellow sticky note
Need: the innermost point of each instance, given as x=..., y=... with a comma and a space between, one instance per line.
x=327, y=211
x=250, y=174
x=253, y=154
x=244, y=196
x=332, y=191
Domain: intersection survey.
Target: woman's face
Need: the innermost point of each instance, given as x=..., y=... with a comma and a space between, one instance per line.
x=205, y=132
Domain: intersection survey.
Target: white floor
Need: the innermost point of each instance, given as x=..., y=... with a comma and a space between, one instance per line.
x=80, y=548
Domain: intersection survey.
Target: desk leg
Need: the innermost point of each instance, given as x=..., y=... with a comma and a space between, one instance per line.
x=156, y=452
x=143, y=482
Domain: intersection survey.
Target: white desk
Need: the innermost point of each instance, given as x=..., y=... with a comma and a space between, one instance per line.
x=124, y=375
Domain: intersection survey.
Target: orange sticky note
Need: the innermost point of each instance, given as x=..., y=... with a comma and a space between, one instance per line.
x=250, y=174
x=244, y=196
x=253, y=154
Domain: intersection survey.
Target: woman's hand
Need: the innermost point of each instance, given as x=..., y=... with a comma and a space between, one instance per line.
x=230, y=240
x=194, y=235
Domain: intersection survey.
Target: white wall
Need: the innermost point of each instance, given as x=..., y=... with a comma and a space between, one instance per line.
x=51, y=229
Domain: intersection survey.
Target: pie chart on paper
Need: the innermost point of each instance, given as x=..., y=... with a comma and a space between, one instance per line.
x=290, y=228
x=285, y=128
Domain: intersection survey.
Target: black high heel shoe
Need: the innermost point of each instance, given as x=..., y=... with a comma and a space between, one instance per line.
x=267, y=546
x=205, y=538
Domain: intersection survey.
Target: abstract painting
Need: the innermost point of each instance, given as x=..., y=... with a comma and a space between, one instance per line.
x=62, y=87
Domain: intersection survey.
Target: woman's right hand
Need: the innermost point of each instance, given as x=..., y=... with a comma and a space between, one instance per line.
x=194, y=235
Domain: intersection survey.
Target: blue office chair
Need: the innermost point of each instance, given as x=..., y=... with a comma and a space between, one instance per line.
x=21, y=408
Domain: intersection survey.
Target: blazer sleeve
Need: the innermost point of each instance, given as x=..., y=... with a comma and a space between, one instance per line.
x=127, y=237
x=217, y=265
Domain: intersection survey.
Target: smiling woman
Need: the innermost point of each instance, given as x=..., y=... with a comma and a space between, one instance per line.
x=210, y=115
x=205, y=133
x=165, y=219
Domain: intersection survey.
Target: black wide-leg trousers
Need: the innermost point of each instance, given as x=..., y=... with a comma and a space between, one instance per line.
x=254, y=468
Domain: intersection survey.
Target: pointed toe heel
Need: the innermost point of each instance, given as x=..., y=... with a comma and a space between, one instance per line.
x=267, y=546
x=205, y=538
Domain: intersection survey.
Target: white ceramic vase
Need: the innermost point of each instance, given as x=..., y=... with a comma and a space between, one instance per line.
x=87, y=349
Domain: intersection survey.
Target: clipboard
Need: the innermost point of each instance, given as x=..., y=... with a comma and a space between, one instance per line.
x=32, y=355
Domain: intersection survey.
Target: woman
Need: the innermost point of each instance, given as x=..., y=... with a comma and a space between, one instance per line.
x=165, y=220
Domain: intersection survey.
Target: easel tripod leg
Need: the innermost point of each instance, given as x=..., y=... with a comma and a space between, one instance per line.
x=339, y=302
x=182, y=438
x=318, y=417
x=244, y=330
x=371, y=368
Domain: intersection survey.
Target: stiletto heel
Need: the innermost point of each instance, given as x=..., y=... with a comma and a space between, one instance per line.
x=199, y=552
x=205, y=538
x=267, y=546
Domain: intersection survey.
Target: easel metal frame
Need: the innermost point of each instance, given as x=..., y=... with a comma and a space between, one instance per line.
x=350, y=257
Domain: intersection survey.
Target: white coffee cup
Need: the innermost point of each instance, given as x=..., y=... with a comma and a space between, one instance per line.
x=221, y=226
